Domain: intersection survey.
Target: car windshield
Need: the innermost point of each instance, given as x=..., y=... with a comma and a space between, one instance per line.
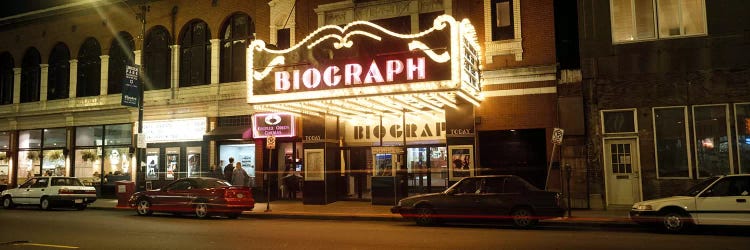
x=695, y=190
x=66, y=182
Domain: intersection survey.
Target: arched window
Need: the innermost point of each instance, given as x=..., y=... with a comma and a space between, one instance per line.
x=58, y=80
x=156, y=59
x=237, y=32
x=89, y=68
x=30, y=76
x=195, y=54
x=6, y=78
x=120, y=55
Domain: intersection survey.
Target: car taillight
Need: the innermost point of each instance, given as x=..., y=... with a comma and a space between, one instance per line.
x=230, y=194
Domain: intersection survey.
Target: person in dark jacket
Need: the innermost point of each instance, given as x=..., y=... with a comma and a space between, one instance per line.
x=228, y=170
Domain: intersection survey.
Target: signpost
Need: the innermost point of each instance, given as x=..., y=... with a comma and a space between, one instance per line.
x=557, y=137
x=270, y=145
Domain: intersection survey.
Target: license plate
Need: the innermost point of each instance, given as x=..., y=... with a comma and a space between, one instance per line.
x=240, y=196
x=79, y=200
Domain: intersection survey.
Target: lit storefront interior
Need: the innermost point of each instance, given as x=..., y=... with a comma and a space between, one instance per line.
x=174, y=149
x=383, y=114
x=103, y=155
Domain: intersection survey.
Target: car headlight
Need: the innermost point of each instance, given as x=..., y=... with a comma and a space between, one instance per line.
x=644, y=207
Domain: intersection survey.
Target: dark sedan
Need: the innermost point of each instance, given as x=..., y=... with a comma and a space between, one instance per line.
x=482, y=198
x=201, y=196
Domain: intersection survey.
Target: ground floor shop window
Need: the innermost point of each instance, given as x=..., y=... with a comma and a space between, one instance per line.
x=712, y=140
x=28, y=164
x=194, y=161
x=672, y=145
x=88, y=165
x=243, y=153
x=4, y=168
x=53, y=163
x=742, y=119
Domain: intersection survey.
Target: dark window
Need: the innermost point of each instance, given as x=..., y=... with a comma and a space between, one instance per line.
x=30, y=76
x=283, y=38
x=6, y=78
x=181, y=185
x=89, y=68
x=468, y=186
x=621, y=121
x=120, y=55
x=493, y=186
x=502, y=20
x=28, y=183
x=236, y=34
x=157, y=59
x=195, y=54
x=58, y=80
x=513, y=185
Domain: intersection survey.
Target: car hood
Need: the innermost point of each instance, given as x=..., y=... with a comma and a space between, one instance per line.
x=682, y=201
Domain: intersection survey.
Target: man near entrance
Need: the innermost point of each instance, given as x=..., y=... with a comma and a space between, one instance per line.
x=228, y=170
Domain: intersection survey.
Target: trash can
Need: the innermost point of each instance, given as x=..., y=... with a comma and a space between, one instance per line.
x=124, y=190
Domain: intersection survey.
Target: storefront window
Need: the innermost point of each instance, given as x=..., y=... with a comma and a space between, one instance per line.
x=29, y=139
x=89, y=136
x=118, y=134
x=55, y=138
x=88, y=165
x=172, y=163
x=4, y=168
x=670, y=131
x=244, y=153
x=53, y=163
x=116, y=164
x=742, y=119
x=711, y=140
x=28, y=164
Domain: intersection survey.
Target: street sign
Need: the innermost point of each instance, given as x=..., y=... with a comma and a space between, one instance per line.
x=141, y=140
x=557, y=136
x=131, y=91
x=271, y=143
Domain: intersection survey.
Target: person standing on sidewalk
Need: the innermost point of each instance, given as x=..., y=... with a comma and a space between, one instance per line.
x=228, y=170
x=239, y=176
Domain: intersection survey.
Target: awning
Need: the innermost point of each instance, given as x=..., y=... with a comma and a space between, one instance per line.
x=238, y=132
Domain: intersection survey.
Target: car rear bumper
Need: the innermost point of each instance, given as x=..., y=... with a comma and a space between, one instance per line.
x=72, y=199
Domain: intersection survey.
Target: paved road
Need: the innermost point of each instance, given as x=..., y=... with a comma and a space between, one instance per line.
x=100, y=229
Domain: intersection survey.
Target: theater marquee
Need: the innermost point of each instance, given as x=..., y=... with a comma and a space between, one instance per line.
x=363, y=69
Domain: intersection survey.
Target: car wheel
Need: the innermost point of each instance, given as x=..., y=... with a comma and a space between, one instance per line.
x=201, y=210
x=523, y=218
x=233, y=215
x=675, y=222
x=424, y=216
x=45, y=204
x=80, y=206
x=143, y=207
x=8, y=202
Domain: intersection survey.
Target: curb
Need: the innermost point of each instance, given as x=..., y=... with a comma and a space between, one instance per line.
x=572, y=221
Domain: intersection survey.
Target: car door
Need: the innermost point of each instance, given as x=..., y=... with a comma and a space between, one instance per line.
x=727, y=202
x=501, y=194
x=175, y=196
x=462, y=201
x=36, y=190
x=21, y=194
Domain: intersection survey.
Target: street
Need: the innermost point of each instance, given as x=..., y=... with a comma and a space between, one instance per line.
x=29, y=228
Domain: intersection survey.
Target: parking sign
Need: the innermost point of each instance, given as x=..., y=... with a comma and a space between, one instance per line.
x=271, y=143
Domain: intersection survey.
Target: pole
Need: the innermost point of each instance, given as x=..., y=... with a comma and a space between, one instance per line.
x=142, y=17
x=549, y=167
x=568, y=171
x=268, y=181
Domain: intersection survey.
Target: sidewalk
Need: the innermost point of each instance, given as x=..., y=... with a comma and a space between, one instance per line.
x=360, y=210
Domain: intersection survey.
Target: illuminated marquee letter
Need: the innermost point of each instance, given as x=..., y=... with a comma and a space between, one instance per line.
x=330, y=76
x=311, y=78
x=282, y=80
x=393, y=67
x=373, y=73
x=351, y=74
x=411, y=68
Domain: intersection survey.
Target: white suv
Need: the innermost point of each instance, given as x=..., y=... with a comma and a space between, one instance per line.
x=721, y=200
x=48, y=192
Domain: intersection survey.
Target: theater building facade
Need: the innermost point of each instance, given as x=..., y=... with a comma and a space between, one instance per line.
x=366, y=100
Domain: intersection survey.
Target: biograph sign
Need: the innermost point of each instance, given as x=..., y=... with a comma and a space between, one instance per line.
x=273, y=124
x=393, y=130
x=364, y=59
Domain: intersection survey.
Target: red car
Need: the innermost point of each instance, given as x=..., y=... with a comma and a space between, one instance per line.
x=201, y=196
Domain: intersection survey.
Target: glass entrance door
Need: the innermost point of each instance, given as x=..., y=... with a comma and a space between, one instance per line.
x=427, y=169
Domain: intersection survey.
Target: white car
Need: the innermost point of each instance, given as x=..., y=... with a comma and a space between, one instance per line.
x=48, y=192
x=721, y=200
